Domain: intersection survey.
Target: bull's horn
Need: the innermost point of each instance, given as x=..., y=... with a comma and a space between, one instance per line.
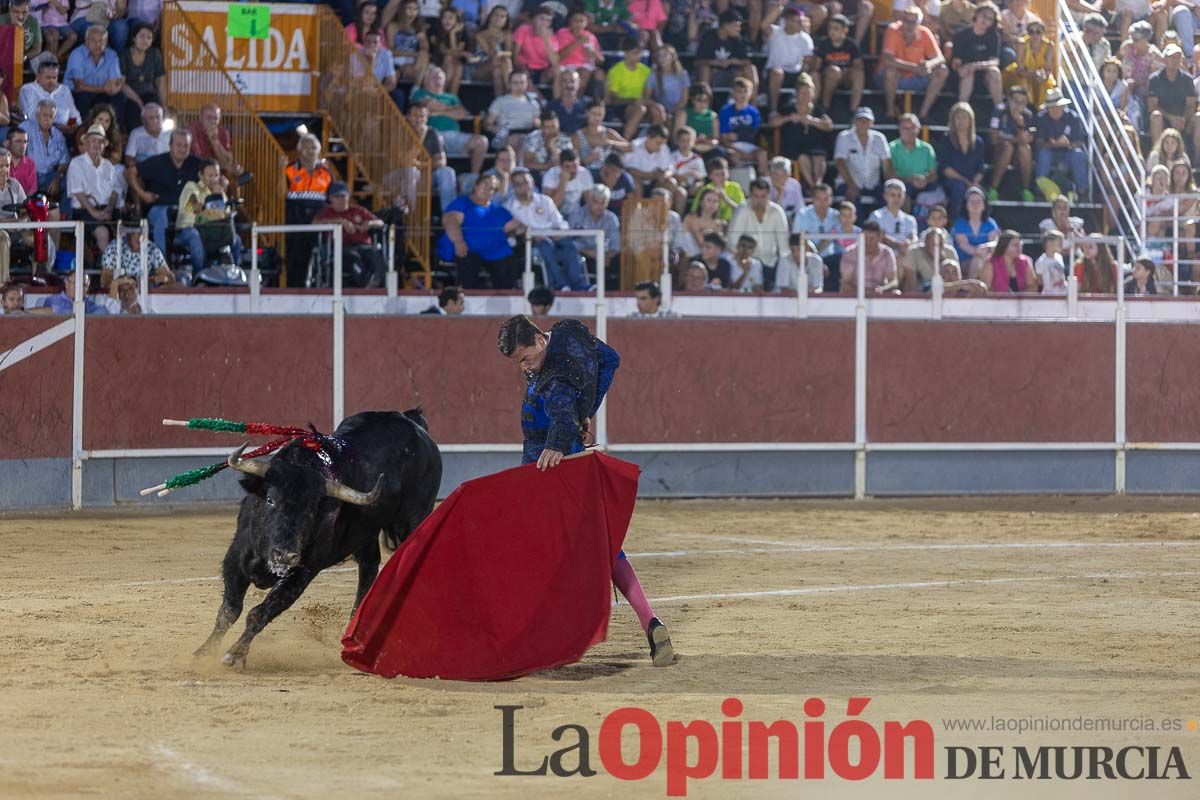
x=249, y=466
x=353, y=496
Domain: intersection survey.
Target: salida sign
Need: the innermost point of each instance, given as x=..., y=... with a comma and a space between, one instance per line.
x=276, y=71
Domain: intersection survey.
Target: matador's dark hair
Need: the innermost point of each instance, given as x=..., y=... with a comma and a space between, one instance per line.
x=516, y=332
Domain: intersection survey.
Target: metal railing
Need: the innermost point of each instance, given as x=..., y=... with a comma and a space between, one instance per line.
x=1168, y=243
x=1115, y=166
x=202, y=80
x=384, y=147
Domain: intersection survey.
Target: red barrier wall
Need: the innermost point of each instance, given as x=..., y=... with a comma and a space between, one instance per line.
x=35, y=394
x=990, y=382
x=1163, y=383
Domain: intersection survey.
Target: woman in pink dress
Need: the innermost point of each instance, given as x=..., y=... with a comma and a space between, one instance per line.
x=1009, y=270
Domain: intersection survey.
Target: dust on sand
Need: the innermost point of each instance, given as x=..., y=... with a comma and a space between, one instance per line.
x=926, y=607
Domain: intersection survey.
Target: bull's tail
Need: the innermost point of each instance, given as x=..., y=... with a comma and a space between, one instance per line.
x=417, y=415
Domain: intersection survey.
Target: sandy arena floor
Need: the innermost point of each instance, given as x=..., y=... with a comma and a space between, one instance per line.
x=936, y=609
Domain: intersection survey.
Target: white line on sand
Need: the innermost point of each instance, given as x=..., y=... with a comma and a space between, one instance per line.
x=786, y=548
x=680, y=598
x=176, y=763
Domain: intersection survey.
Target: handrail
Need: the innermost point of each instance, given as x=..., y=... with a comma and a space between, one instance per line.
x=386, y=151
x=1115, y=162
x=254, y=147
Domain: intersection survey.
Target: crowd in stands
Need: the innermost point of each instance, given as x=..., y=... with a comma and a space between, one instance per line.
x=724, y=109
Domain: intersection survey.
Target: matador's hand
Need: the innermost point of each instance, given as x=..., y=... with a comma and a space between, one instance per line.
x=586, y=433
x=548, y=459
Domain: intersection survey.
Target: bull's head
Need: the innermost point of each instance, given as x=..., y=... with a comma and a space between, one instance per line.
x=300, y=503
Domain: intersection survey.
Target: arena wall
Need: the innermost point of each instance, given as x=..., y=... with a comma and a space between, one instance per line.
x=943, y=399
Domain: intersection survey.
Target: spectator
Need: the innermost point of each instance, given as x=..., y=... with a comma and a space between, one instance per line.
x=609, y=16
x=748, y=273
x=445, y=112
x=1168, y=149
x=595, y=141
x=695, y=277
x=785, y=190
x=203, y=202
x=365, y=19
x=914, y=160
x=64, y=301
x=953, y=284
x=801, y=269
x=1061, y=138
x=129, y=263
x=476, y=238
x=1141, y=283
x=444, y=181
x=594, y=215
x=541, y=300
x=1008, y=270
x=211, y=142
x=879, y=272
x=1015, y=20
x=804, y=137
x=11, y=193
x=494, y=43
x=1034, y=67
x=380, y=63
x=649, y=302
x=502, y=170
x=535, y=211
x=702, y=221
x=667, y=87
x=306, y=182
x=862, y=12
x=1172, y=99
x=1093, y=37
x=56, y=33
x=619, y=182
x=899, y=230
x=650, y=162
x=1140, y=58
x=789, y=49
x=1183, y=182
x=766, y=224
x=723, y=54
x=1060, y=219
x=536, y=50
x=542, y=148
x=717, y=263
x=911, y=62
x=955, y=15
x=145, y=78
x=513, y=115
x=925, y=261
x=108, y=15
x=1096, y=271
x=579, y=50
x=1052, y=273
x=627, y=86
x=92, y=187
x=451, y=302
x=820, y=219
x=840, y=61
x=160, y=182
x=700, y=117
x=977, y=53
x=365, y=267
x=104, y=115
x=409, y=44
x=570, y=108
x=31, y=29
x=1184, y=17
x=1120, y=92
x=650, y=17
x=740, y=122
x=961, y=157
x=973, y=231
x=21, y=166
x=148, y=139
x=730, y=193
x=1012, y=139
x=689, y=165
x=94, y=72
x=566, y=183
x=449, y=45
x=47, y=87
x=12, y=300
x=862, y=158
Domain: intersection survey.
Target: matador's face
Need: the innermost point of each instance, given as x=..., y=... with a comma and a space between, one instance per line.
x=531, y=357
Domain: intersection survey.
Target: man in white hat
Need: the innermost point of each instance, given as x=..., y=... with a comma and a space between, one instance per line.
x=1060, y=137
x=1171, y=100
x=862, y=158
x=92, y=186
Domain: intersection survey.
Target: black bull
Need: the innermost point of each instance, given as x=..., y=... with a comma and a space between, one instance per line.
x=300, y=516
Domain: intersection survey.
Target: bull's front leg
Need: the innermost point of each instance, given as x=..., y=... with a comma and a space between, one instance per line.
x=278, y=600
x=368, y=569
x=237, y=582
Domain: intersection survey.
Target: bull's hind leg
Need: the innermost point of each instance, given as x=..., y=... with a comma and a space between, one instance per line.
x=237, y=582
x=368, y=569
x=279, y=599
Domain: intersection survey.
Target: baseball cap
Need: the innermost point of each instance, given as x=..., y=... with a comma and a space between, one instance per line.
x=864, y=112
x=337, y=187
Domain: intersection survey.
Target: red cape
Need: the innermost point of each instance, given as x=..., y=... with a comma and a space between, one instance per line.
x=510, y=575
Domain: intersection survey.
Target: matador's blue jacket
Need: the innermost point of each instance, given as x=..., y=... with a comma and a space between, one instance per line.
x=572, y=383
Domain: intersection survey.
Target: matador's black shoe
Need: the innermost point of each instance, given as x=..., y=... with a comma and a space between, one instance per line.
x=661, y=652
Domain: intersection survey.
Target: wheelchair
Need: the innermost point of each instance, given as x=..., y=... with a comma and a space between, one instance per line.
x=356, y=273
